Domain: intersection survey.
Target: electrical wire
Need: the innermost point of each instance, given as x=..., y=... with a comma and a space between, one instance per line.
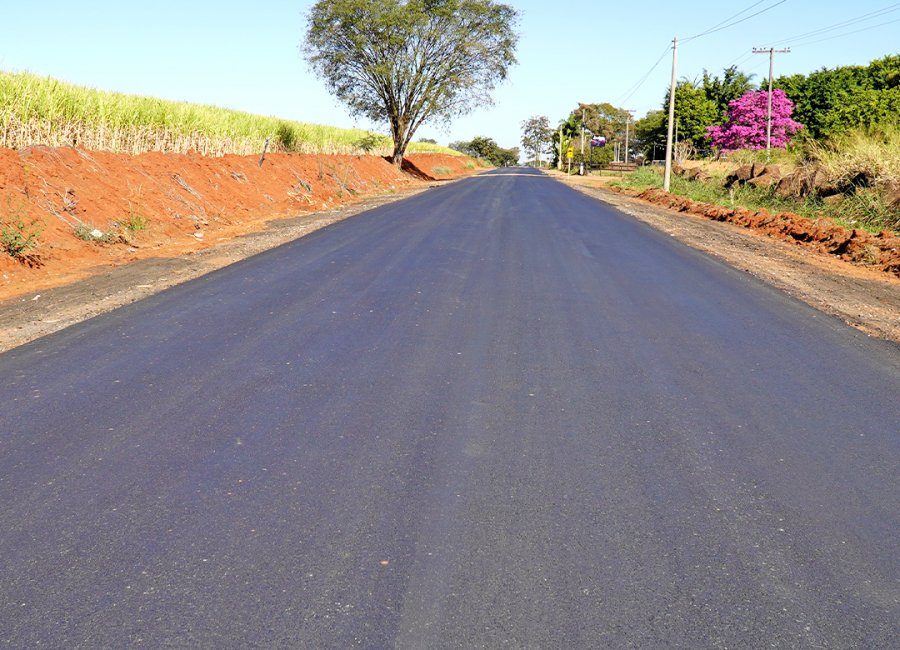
x=631, y=91
x=743, y=58
x=743, y=11
x=718, y=29
x=715, y=28
x=798, y=39
x=855, y=31
x=846, y=23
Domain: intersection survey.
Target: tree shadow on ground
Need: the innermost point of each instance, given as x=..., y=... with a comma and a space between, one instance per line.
x=413, y=170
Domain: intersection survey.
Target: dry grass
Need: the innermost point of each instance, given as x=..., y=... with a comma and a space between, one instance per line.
x=786, y=159
x=871, y=156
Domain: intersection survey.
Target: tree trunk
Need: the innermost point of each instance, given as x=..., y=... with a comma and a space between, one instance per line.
x=398, y=135
x=399, y=152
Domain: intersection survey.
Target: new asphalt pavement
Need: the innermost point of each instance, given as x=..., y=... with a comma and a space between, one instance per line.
x=498, y=414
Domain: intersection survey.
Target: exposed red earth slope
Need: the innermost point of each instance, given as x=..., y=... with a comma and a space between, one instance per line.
x=877, y=251
x=174, y=203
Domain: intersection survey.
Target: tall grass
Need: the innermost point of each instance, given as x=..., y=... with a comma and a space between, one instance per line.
x=38, y=110
x=871, y=154
x=789, y=157
x=865, y=208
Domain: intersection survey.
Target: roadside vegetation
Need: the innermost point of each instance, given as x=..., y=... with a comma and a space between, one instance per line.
x=18, y=234
x=43, y=111
x=852, y=178
x=487, y=150
x=834, y=137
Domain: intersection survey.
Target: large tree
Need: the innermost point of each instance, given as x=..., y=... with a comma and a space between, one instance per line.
x=603, y=119
x=694, y=111
x=537, y=136
x=650, y=133
x=406, y=62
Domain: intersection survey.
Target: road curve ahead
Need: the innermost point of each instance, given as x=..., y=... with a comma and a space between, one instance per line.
x=497, y=414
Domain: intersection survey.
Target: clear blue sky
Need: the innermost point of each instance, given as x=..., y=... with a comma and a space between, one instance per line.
x=245, y=55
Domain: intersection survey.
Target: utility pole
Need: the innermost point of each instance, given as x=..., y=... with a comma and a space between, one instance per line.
x=581, y=168
x=668, y=175
x=771, y=52
x=559, y=164
x=627, y=122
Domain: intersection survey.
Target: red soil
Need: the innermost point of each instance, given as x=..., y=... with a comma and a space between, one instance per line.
x=186, y=202
x=881, y=251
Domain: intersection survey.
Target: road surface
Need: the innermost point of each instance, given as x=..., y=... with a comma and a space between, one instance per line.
x=497, y=414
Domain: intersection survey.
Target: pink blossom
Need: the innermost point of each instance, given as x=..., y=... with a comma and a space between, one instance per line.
x=745, y=127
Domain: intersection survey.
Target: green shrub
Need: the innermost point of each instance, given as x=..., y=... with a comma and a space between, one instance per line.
x=134, y=223
x=17, y=237
x=286, y=136
x=370, y=142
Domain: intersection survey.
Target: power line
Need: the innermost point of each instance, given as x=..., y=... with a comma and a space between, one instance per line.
x=740, y=59
x=743, y=11
x=872, y=14
x=718, y=29
x=743, y=58
x=855, y=31
x=631, y=91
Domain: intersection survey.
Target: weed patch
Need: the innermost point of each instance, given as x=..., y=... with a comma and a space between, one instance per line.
x=87, y=232
x=134, y=223
x=18, y=237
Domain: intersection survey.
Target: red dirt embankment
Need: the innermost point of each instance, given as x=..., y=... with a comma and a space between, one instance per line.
x=880, y=252
x=158, y=205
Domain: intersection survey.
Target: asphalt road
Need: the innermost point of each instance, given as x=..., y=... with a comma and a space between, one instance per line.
x=497, y=414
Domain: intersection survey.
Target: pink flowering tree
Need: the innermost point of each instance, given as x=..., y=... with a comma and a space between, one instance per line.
x=745, y=126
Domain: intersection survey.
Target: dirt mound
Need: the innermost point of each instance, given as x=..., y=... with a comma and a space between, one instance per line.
x=881, y=251
x=91, y=209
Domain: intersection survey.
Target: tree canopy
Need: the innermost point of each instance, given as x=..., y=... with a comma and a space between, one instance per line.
x=699, y=103
x=748, y=119
x=486, y=149
x=537, y=136
x=650, y=134
x=829, y=102
x=406, y=62
x=722, y=92
x=602, y=119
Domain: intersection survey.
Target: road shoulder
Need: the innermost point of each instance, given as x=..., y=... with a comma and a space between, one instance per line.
x=39, y=313
x=867, y=300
